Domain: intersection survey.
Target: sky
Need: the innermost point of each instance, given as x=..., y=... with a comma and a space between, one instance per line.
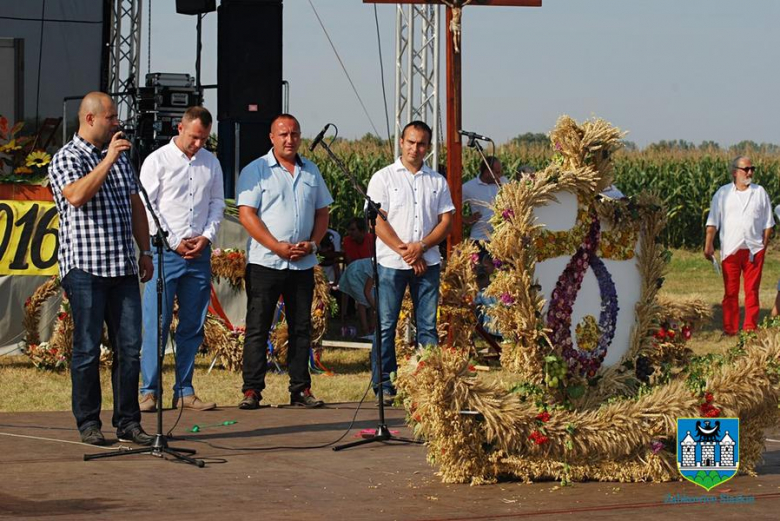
x=666, y=69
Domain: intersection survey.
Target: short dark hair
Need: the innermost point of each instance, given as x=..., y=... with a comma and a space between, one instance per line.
x=202, y=114
x=419, y=125
x=359, y=222
x=284, y=115
x=489, y=160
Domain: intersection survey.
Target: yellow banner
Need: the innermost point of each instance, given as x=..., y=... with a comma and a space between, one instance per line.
x=28, y=238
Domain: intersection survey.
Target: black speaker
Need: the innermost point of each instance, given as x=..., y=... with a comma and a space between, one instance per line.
x=249, y=60
x=249, y=74
x=195, y=6
x=238, y=145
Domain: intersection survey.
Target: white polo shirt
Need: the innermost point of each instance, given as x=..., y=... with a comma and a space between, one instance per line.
x=481, y=197
x=186, y=193
x=413, y=202
x=741, y=218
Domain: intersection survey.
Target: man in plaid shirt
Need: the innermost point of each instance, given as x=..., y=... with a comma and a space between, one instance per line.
x=100, y=211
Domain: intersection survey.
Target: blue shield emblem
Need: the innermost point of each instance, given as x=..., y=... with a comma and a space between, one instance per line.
x=708, y=450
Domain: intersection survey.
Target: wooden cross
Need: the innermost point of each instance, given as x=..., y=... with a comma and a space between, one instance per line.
x=454, y=100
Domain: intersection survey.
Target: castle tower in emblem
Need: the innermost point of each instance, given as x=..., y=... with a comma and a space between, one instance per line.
x=727, y=451
x=708, y=454
x=688, y=451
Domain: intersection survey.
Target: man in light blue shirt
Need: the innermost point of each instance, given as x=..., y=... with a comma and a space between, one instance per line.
x=283, y=204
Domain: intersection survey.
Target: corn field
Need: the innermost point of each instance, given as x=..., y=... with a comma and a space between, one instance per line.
x=684, y=180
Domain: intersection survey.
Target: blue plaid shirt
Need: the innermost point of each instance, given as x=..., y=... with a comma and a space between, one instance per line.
x=98, y=236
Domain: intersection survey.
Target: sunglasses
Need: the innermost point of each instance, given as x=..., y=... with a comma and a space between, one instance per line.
x=747, y=169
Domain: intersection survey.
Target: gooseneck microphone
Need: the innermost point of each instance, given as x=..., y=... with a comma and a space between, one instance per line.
x=473, y=135
x=318, y=138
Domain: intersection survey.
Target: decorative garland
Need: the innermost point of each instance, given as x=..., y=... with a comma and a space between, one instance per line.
x=224, y=341
x=55, y=354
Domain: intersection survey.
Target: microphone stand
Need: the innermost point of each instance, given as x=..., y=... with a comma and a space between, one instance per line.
x=159, y=446
x=382, y=432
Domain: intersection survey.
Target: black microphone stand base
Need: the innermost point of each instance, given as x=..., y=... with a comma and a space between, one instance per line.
x=381, y=434
x=159, y=448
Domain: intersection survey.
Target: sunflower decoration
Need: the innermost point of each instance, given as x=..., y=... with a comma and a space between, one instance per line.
x=37, y=159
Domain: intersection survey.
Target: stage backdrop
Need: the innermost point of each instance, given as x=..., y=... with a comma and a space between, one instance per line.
x=68, y=37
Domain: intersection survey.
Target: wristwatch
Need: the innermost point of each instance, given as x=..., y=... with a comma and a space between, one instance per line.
x=146, y=253
x=424, y=246
x=314, y=248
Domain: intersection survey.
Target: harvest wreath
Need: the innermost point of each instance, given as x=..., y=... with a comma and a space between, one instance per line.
x=567, y=414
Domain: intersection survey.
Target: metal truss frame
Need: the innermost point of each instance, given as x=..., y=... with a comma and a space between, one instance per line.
x=124, y=62
x=417, y=71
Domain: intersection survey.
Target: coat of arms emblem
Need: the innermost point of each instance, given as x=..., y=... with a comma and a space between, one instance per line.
x=708, y=450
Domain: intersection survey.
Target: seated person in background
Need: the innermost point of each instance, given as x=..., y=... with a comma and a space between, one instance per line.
x=358, y=242
x=357, y=282
x=330, y=251
x=525, y=172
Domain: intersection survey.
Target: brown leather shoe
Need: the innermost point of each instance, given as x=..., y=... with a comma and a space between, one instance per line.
x=148, y=403
x=194, y=403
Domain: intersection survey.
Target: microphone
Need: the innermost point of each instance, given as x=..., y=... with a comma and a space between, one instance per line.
x=318, y=138
x=473, y=135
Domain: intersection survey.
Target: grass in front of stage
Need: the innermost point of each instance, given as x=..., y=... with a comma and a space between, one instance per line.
x=24, y=388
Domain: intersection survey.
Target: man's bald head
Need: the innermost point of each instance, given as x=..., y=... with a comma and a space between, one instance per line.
x=98, y=120
x=94, y=103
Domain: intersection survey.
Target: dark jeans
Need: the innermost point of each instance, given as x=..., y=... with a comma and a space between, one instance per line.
x=263, y=288
x=117, y=302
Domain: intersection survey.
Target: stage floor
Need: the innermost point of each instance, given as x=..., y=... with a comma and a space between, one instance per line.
x=44, y=476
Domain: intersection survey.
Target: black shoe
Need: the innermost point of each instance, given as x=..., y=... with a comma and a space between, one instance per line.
x=305, y=399
x=93, y=436
x=135, y=434
x=251, y=400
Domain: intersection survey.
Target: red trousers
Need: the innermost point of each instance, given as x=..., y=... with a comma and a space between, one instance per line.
x=735, y=265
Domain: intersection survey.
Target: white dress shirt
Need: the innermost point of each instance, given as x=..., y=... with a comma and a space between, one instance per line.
x=186, y=193
x=413, y=202
x=740, y=220
x=481, y=197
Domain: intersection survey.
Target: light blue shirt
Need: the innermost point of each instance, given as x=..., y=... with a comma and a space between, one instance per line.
x=286, y=205
x=353, y=280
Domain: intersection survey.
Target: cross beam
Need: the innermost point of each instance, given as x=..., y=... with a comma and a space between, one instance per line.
x=454, y=105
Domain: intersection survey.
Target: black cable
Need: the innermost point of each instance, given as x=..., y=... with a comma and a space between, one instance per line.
x=291, y=447
x=40, y=60
x=382, y=75
x=53, y=20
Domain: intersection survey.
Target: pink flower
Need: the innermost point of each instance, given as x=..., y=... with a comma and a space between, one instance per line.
x=508, y=214
x=656, y=447
x=507, y=299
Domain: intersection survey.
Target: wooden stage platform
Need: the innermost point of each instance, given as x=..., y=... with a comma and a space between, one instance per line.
x=44, y=476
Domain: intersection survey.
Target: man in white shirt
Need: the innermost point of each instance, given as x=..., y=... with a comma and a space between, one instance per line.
x=184, y=183
x=743, y=214
x=480, y=193
x=419, y=208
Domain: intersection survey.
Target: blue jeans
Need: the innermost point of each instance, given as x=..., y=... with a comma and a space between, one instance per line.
x=117, y=302
x=425, y=297
x=190, y=280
